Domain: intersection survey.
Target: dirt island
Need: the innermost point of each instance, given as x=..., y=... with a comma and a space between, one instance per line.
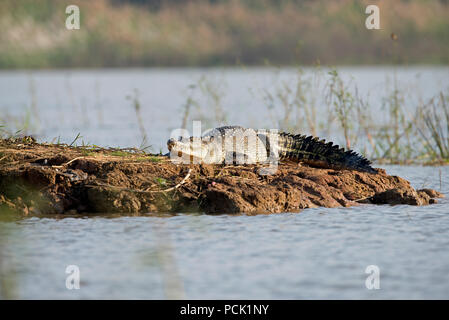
x=39, y=178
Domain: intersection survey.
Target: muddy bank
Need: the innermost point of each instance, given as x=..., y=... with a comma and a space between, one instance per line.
x=45, y=178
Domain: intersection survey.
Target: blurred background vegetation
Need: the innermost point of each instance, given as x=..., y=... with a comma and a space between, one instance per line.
x=131, y=33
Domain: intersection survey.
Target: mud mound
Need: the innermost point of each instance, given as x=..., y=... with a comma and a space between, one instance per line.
x=44, y=179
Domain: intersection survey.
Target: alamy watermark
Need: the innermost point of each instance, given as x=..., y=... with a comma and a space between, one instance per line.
x=373, y=20
x=73, y=279
x=72, y=22
x=373, y=280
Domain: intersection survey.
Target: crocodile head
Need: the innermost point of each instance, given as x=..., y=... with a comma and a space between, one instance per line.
x=187, y=150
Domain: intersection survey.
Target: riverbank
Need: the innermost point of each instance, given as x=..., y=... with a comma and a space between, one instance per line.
x=38, y=179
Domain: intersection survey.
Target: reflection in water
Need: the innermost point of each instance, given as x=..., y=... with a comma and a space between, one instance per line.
x=172, y=282
x=8, y=274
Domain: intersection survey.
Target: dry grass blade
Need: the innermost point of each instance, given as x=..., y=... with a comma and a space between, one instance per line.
x=438, y=142
x=67, y=163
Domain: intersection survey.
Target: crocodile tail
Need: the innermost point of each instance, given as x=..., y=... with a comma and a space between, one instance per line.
x=318, y=153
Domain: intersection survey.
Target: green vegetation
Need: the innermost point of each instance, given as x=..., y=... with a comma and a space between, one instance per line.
x=151, y=158
x=86, y=149
x=161, y=181
x=120, y=33
x=398, y=133
x=434, y=129
x=119, y=153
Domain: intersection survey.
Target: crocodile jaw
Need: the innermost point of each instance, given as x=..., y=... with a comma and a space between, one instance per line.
x=190, y=152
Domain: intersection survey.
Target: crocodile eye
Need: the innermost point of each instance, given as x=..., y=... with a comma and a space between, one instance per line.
x=170, y=143
x=207, y=140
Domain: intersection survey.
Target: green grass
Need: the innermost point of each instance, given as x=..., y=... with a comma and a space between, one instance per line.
x=148, y=158
x=161, y=182
x=87, y=153
x=119, y=153
x=154, y=159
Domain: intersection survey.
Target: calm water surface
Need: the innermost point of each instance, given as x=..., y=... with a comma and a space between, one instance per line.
x=317, y=253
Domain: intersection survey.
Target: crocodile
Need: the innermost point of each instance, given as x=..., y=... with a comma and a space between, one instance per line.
x=235, y=144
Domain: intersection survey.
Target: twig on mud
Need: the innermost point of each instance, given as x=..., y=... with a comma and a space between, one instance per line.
x=221, y=171
x=362, y=199
x=67, y=163
x=12, y=163
x=3, y=158
x=227, y=167
x=178, y=185
x=143, y=191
